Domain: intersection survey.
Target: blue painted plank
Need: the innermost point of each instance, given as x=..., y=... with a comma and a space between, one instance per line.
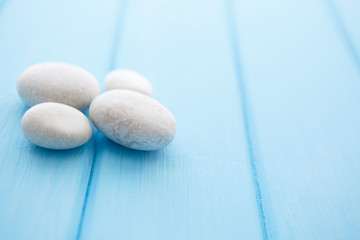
x=200, y=187
x=303, y=89
x=42, y=191
x=347, y=17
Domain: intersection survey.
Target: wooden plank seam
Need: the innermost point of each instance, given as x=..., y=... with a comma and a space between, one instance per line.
x=121, y=13
x=232, y=30
x=343, y=31
x=2, y=4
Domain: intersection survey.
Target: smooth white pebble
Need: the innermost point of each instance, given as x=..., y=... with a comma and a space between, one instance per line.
x=56, y=126
x=130, y=80
x=57, y=82
x=133, y=120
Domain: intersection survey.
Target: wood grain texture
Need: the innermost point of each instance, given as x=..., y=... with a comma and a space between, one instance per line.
x=266, y=97
x=200, y=187
x=42, y=191
x=303, y=86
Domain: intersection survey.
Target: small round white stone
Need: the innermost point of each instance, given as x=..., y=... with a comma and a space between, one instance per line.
x=57, y=82
x=133, y=120
x=130, y=80
x=56, y=126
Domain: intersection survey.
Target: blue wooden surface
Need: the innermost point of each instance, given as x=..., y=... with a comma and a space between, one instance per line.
x=41, y=191
x=303, y=85
x=200, y=187
x=346, y=16
x=266, y=97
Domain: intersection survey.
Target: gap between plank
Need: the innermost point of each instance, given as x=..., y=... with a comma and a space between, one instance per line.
x=344, y=32
x=83, y=210
x=2, y=4
x=232, y=29
x=120, y=19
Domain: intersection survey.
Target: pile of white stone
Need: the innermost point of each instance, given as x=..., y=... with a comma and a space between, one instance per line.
x=126, y=113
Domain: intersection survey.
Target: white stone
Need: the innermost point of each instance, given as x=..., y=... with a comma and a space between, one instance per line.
x=133, y=120
x=126, y=79
x=56, y=126
x=57, y=82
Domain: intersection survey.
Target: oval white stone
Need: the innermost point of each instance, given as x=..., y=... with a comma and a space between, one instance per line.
x=126, y=79
x=57, y=82
x=56, y=126
x=133, y=120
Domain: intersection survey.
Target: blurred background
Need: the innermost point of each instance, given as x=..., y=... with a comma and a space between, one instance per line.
x=266, y=98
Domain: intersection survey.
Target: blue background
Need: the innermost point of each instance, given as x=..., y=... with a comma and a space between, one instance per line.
x=266, y=98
